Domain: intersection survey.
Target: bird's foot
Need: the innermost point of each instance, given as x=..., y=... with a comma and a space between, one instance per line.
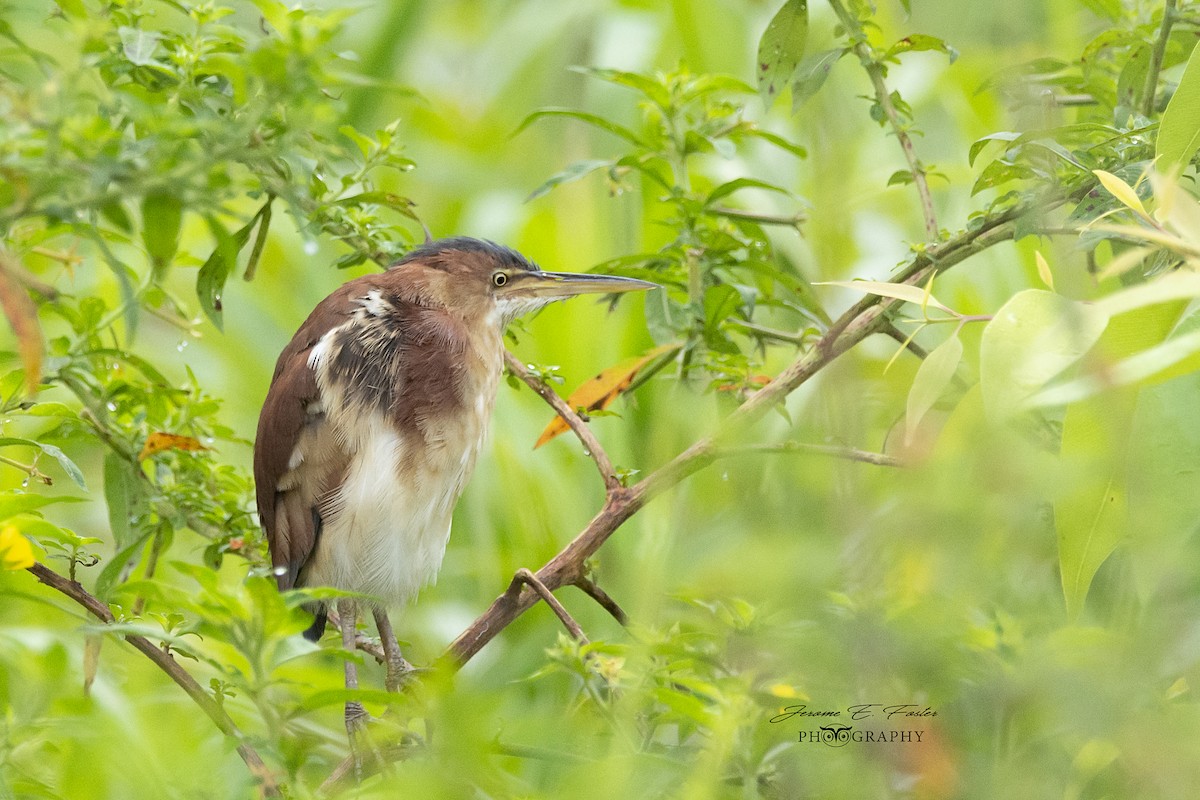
x=361, y=742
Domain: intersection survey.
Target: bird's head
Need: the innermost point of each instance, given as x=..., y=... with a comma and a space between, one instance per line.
x=479, y=275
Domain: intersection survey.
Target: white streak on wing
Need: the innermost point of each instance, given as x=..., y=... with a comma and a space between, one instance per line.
x=374, y=303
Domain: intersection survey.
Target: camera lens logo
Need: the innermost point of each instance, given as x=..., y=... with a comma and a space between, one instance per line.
x=835, y=735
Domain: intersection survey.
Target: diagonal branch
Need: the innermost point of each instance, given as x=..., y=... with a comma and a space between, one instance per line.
x=864, y=318
x=591, y=444
x=268, y=786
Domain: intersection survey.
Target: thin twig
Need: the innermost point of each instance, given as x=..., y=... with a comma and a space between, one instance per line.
x=848, y=453
x=906, y=341
x=164, y=661
x=1149, y=89
x=527, y=578
x=592, y=589
x=866, y=55
x=29, y=469
x=769, y=333
x=591, y=445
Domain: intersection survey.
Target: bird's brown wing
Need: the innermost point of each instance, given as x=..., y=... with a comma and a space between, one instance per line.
x=297, y=458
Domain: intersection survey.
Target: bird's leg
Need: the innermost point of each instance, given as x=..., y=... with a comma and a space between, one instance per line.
x=398, y=669
x=356, y=715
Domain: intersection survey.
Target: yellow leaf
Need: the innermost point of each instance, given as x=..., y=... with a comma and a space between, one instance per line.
x=158, y=442
x=599, y=392
x=1120, y=190
x=1044, y=270
x=15, y=550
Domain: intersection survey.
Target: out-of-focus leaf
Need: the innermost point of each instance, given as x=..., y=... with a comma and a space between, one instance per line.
x=22, y=316
x=1179, y=131
x=1043, y=269
x=729, y=187
x=591, y=119
x=157, y=442
x=599, y=392
x=811, y=73
x=1090, y=512
x=16, y=551
x=120, y=486
x=899, y=291
x=933, y=376
x=781, y=48
x=1031, y=339
x=162, y=218
x=572, y=173
x=1178, y=355
x=139, y=45
x=1164, y=289
x=1120, y=190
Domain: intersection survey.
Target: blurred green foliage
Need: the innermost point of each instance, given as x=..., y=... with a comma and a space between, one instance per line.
x=1028, y=573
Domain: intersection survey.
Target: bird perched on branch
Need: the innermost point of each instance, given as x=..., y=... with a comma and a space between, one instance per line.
x=375, y=416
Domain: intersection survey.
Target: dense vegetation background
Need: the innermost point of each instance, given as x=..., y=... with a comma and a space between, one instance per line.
x=978, y=497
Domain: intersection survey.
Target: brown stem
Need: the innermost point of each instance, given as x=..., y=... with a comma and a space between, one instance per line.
x=524, y=577
x=593, y=590
x=591, y=444
x=268, y=786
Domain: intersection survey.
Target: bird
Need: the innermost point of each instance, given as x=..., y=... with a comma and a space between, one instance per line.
x=375, y=416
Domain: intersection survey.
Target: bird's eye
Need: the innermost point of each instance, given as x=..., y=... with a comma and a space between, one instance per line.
x=499, y=279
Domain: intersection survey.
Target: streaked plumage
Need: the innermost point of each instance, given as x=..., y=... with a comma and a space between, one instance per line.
x=377, y=411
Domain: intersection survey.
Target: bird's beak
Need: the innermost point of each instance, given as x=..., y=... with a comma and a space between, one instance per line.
x=553, y=285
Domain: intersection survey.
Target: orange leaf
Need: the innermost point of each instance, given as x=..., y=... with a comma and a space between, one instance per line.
x=158, y=442
x=22, y=316
x=599, y=392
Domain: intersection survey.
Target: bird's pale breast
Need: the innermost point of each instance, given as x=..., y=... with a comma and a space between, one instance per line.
x=409, y=434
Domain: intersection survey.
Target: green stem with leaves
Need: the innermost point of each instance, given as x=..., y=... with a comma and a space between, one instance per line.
x=869, y=59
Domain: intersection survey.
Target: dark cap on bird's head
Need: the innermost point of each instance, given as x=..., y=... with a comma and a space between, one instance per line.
x=516, y=284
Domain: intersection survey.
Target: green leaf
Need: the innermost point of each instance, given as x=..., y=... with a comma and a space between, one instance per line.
x=652, y=90
x=729, y=187
x=120, y=490
x=933, y=376
x=1131, y=82
x=574, y=172
x=1091, y=513
x=1178, y=355
x=582, y=116
x=139, y=45
x=162, y=218
x=125, y=558
x=781, y=49
x=210, y=282
x=920, y=42
x=68, y=466
x=811, y=73
x=1031, y=339
x=1167, y=288
x=19, y=502
x=1179, y=130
